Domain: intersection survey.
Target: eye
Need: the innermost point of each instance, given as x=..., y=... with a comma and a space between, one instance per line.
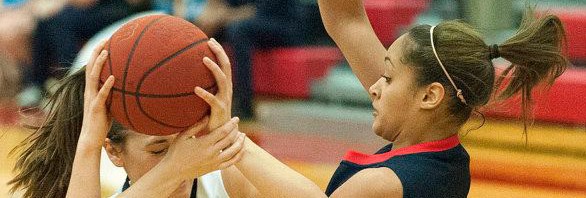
x=388, y=61
x=159, y=151
x=387, y=79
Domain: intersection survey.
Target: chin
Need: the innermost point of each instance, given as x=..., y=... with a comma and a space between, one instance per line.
x=376, y=129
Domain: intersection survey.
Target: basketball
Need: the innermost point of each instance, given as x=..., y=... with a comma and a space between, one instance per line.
x=157, y=63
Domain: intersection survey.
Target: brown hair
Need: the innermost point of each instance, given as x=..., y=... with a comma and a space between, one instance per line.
x=117, y=134
x=44, y=166
x=535, y=53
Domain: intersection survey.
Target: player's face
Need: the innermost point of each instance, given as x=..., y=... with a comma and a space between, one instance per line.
x=393, y=95
x=143, y=152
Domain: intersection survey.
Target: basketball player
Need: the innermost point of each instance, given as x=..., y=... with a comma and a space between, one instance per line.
x=62, y=156
x=423, y=88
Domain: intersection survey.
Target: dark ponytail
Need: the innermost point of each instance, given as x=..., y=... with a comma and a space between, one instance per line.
x=45, y=162
x=535, y=53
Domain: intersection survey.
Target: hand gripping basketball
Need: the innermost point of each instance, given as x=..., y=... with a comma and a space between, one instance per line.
x=96, y=121
x=230, y=146
x=223, y=146
x=221, y=103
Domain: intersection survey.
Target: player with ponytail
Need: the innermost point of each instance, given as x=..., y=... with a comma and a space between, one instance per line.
x=423, y=88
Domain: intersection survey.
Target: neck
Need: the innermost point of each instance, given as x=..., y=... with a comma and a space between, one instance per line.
x=426, y=129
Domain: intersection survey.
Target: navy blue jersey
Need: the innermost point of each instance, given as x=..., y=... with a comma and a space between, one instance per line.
x=432, y=169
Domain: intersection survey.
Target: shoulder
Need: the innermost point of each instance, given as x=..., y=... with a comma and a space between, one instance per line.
x=372, y=182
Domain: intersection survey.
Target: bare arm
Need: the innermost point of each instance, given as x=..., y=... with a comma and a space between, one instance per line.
x=237, y=185
x=158, y=182
x=271, y=177
x=346, y=22
x=372, y=182
x=268, y=175
x=85, y=171
x=85, y=174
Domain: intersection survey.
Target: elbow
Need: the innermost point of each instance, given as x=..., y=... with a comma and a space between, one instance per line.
x=333, y=29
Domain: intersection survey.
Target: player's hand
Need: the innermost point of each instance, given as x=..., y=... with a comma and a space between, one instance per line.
x=190, y=156
x=96, y=121
x=221, y=103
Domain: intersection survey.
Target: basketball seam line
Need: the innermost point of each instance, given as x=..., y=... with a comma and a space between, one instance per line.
x=109, y=58
x=143, y=95
x=157, y=66
x=162, y=123
x=111, y=71
x=130, y=56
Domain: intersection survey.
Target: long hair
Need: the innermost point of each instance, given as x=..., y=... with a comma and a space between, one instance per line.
x=43, y=168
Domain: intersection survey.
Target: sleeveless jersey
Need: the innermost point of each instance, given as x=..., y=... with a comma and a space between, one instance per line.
x=209, y=185
x=431, y=169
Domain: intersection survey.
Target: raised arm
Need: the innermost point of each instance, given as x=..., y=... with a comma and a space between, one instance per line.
x=346, y=22
x=270, y=177
x=85, y=173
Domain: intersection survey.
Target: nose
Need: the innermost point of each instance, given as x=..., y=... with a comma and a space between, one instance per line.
x=373, y=91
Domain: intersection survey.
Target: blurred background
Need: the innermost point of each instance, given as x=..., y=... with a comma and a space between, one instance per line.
x=301, y=101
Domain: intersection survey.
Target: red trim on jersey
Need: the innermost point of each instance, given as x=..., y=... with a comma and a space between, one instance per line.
x=435, y=146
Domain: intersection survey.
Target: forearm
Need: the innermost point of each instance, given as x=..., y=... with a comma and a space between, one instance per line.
x=348, y=25
x=85, y=173
x=336, y=14
x=273, y=178
x=158, y=182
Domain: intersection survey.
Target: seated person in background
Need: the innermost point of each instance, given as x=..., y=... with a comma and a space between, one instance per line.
x=18, y=19
x=9, y=83
x=275, y=24
x=209, y=15
x=58, y=37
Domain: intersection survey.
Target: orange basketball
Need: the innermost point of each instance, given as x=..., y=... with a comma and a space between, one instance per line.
x=157, y=63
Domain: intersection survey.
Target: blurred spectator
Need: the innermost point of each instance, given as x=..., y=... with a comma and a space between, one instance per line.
x=58, y=37
x=275, y=24
x=9, y=84
x=16, y=26
x=209, y=15
x=9, y=80
x=17, y=22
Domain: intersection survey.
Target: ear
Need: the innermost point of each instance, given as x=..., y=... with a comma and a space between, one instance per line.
x=432, y=96
x=114, y=153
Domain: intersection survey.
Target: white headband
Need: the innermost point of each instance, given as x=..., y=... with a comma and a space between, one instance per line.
x=458, y=91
